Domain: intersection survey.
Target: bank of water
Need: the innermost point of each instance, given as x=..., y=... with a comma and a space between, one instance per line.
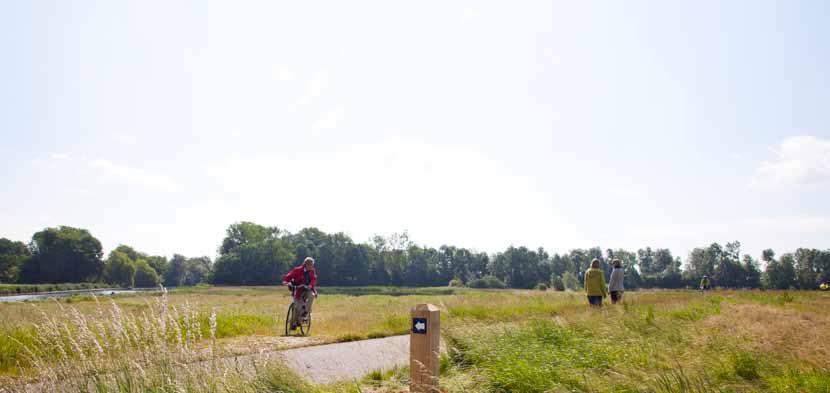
x=78, y=292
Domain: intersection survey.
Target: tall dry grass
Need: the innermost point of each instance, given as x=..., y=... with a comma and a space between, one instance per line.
x=155, y=350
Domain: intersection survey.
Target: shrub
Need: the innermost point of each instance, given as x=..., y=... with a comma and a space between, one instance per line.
x=541, y=286
x=456, y=283
x=487, y=282
x=556, y=282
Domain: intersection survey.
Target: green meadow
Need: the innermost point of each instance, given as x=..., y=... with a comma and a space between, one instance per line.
x=497, y=340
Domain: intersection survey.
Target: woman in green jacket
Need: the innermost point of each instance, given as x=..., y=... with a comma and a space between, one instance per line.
x=595, y=284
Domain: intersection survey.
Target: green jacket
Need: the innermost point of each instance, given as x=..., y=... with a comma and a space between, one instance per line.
x=595, y=283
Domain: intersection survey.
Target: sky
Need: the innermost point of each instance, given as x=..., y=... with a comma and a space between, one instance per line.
x=480, y=124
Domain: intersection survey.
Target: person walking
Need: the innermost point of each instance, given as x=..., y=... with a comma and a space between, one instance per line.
x=615, y=284
x=595, y=284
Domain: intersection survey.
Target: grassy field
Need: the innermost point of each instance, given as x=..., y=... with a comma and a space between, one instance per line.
x=499, y=340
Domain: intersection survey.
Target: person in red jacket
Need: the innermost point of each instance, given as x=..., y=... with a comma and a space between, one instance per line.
x=305, y=274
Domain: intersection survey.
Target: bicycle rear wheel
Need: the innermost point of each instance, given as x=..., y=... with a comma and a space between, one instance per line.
x=289, y=317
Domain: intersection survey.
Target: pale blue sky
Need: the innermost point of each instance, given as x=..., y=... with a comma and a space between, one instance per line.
x=479, y=124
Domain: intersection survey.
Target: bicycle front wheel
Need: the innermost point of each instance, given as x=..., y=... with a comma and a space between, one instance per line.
x=305, y=325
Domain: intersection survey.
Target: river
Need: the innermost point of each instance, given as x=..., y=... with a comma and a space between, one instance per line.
x=50, y=295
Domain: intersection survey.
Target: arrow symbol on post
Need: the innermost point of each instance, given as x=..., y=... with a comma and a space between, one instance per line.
x=420, y=326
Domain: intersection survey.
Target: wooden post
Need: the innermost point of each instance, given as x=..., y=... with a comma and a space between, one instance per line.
x=424, y=337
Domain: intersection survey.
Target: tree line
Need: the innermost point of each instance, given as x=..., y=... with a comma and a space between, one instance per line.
x=253, y=254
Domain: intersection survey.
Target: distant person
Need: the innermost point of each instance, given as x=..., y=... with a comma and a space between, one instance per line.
x=704, y=283
x=595, y=284
x=305, y=274
x=615, y=284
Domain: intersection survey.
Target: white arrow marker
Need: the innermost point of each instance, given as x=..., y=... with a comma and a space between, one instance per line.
x=420, y=326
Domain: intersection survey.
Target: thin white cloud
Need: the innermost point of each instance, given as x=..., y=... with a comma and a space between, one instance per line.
x=388, y=186
x=124, y=138
x=78, y=191
x=314, y=87
x=135, y=176
x=284, y=74
x=329, y=120
x=59, y=156
x=732, y=228
x=783, y=233
x=798, y=161
x=625, y=192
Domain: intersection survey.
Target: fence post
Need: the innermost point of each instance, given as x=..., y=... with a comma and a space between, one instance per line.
x=424, y=338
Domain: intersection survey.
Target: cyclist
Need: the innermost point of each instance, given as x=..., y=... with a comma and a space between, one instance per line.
x=304, y=280
x=704, y=283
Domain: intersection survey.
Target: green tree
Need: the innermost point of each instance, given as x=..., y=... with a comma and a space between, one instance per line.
x=63, y=254
x=571, y=282
x=197, y=270
x=768, y=255
x=519, y=265
x=728, y=270
x=242, y=233
x=145, y=275
x=119, y=269
x=252, y=254
x=664, y=261
x=732, y=250
x=158, y=263
x=645, y=259
x=823, y=266
x=558, y=265
x=176, y=272
x=807, y=268
x=752, y=272
x=632, y=277
x=12, y=256
x=129, y=251
x=729, y=273
x=702, y=261
x=780, y=274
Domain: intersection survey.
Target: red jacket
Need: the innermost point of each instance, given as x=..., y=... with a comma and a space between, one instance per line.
x=297, y=277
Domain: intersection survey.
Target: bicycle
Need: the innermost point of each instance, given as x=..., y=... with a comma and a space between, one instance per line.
x=305, y=323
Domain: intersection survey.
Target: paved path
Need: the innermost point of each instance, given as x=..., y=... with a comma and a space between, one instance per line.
x=320, y=364
x=349, y=360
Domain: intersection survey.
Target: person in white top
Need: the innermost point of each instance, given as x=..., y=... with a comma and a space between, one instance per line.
x=615, y=284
